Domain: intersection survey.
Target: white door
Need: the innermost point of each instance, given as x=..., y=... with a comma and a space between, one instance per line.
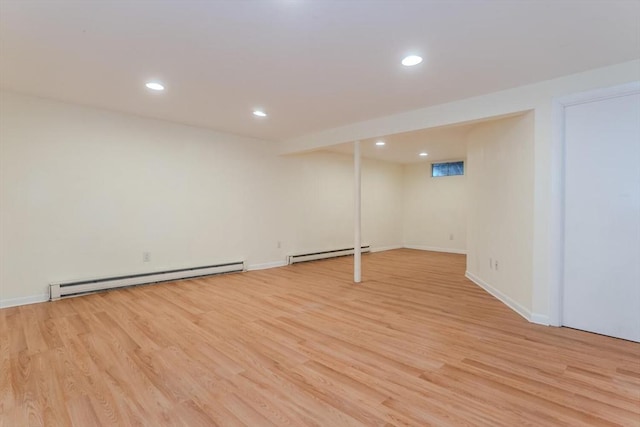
x=602, y=217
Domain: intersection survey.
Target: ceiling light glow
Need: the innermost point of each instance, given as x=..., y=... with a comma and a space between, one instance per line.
x=259, y=113
x=424, y=154
x=380, y=143
x=154, y=86
x=411, y=60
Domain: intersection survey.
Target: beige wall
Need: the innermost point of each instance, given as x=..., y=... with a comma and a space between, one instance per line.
x=434, y=210
x=382, y=184
x=84, y=192
x=320, y=203
x=500, y=234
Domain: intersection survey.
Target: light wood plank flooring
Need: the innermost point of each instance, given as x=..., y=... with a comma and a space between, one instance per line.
x=415, y=344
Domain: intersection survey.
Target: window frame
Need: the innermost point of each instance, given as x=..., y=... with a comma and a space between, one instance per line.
x=450, y=162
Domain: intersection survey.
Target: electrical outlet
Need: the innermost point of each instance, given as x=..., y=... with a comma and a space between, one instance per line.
x=279, y=244
x=451, y=236
x=146, y=256
x=496, y=265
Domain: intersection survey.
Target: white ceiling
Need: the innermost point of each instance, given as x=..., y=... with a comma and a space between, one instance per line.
x=442, y=143
x=311, y=65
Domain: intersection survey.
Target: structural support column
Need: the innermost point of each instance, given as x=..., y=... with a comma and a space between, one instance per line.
x=357, y=243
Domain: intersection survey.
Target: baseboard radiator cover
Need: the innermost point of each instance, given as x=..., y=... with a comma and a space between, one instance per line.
x=293, y=259
x=68, y=289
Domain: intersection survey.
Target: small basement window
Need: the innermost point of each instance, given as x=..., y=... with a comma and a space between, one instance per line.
x=447, y=169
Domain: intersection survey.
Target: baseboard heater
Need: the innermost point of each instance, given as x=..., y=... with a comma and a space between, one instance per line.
x=324, y=254
x=67, y=289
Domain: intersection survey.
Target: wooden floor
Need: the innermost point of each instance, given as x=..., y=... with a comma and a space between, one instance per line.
x=415, y=344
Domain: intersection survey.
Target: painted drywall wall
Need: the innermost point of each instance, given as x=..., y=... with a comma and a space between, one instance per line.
x=84, y=192
x=538, y=97
x=321, y=205
x=500, y=231
x=434, y=210
x=382, y=184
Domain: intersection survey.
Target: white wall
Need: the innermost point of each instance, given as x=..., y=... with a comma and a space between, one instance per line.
x=321, y=202
x=320, y=182
x=538, y=97
x=382, y=184
x=434, y=210
x=84, y=192
x=500, y=233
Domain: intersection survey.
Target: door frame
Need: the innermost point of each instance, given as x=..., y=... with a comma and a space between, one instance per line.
x=556, y=217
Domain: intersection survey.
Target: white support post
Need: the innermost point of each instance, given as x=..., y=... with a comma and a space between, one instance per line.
x=357, y=244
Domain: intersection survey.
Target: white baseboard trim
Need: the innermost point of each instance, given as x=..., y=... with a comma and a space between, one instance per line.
x=540, y=319
x=385, y=248
x=266, y=265
x=14, y=302
x=522, y=311
x=434, y=249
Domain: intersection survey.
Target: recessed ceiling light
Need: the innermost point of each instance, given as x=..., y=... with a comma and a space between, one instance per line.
x=380, y=143
x=411, y=60
x=424, y=154
x=154, y=86
x=259, y=113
